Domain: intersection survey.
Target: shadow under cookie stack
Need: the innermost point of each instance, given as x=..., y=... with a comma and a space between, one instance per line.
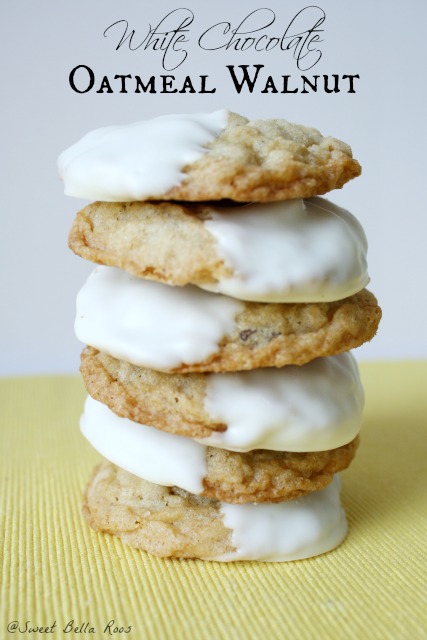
x=222, y=393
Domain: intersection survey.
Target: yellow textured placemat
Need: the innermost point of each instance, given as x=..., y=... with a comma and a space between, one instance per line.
x=59, y=575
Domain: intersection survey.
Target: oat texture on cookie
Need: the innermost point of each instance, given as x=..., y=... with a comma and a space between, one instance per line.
x=218, y=327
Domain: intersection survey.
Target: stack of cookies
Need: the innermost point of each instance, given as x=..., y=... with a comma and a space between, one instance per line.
x=222, y=393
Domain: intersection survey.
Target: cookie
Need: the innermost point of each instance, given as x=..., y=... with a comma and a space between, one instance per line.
x=203, y=157
x=185, y=329
x=166, y=459
x=291, y=251
x=170, y=522
x=165, y=241
x=314, y=407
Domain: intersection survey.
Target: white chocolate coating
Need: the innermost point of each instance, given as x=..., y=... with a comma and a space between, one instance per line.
x=286, y=531
x=139, y=160
x=293, y=251
x=148, y=453
x=315, y=407
x=151, y=324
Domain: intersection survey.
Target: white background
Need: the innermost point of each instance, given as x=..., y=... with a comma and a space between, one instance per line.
x=384, y=122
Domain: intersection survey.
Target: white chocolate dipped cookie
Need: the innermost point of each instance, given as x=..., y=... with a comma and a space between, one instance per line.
x=199, y=157
x=314, y=407
x=170, y=460
x=186, y=329
x=289, y=251
x=170, y=522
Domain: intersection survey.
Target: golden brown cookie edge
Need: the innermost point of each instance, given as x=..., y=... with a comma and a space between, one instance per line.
x=173, y=524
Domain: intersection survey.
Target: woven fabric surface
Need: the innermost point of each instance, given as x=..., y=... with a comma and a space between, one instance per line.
x=59, y=575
